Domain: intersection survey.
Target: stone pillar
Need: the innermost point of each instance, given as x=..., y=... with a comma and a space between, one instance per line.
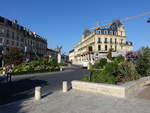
x=65, y=86
x=38, y=93
x=59, y=58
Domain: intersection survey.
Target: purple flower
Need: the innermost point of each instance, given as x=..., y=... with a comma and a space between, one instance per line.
x=131, y=55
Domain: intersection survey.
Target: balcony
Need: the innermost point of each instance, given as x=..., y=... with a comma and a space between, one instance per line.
x=106, y=42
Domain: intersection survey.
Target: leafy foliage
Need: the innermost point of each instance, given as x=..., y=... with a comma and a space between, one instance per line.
x=119, y=59
x=13, y=56
x=128, y=71
x=109, y=55
x=100, y=64
x=143, y=62
x=131, y=56
x=136, y=65
x=41, y=65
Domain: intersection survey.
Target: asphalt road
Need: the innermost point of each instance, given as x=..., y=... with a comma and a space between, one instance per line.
x=22, y=87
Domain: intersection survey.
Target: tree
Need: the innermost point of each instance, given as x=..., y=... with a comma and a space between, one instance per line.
x=109, y=55
x=143, y=61
x=13, y=56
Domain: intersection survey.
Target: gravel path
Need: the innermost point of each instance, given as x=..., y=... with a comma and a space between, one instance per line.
x=78, y=102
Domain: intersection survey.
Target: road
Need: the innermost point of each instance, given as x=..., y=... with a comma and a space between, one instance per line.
x=22, y=87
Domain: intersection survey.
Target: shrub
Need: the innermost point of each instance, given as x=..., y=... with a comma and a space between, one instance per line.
x=100, y=63
x=109, y=55
x=13, y=56
x=41, y=65
x=143, y=62
x=103, y=77
x=107, y=75
x=131, y=56
x=128, y=71
x=119, y=59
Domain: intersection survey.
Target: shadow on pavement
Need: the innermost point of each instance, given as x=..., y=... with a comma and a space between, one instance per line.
x=17, y=90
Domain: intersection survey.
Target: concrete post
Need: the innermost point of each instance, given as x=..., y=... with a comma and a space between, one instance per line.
x=65, y=86
x=89, y=64
x=61, y=68
x=59, y=58
x=38, y=93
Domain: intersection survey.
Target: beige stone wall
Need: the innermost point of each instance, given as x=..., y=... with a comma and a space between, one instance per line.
x=111, y=90
x=126, y=90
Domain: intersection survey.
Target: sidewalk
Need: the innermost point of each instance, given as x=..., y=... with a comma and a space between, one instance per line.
x=78, y=102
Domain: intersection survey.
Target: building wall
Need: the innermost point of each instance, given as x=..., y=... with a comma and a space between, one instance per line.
x=13, y=34
x=98, y=43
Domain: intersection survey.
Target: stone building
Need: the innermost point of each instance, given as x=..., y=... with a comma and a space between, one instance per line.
x=13, y=34
x=96, y=44
x=71, y=55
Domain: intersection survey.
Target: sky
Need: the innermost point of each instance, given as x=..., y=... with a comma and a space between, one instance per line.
x=62, y=22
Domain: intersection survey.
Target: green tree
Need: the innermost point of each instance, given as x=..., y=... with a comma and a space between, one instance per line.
x=143, y=61
x=12, y=54
x=109, y=55
x=128, y=71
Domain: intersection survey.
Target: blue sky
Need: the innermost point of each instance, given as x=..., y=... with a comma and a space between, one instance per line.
x=63, y=21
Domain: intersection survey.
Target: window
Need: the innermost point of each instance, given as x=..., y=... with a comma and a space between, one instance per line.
x=105, y=40
x=115, y=41
x=99, y=40
x=7, y=42
x=17, y=44
x=99, y=47
x=2, y=31
x=106, y=47
x=22, y=40
x=13, y=35
x=111, y=40
x=12, y=43
x=17, y=38
x=115, y=48
x=1, y=40
x=7, y=33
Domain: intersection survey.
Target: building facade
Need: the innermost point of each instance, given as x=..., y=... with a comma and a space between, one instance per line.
x=71, y=55
x=13, y=34
x=96, y=44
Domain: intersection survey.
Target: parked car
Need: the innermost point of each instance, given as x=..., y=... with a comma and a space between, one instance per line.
x=85, y=64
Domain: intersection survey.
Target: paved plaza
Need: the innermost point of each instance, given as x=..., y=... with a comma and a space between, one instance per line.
x=78, y=102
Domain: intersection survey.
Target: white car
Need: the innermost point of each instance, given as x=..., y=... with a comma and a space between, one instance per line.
x=85, y=64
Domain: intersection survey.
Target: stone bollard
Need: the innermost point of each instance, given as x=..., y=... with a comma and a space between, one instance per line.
x=88, y=67
x=38, y=93
x=65, y=86
x=61, y=68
